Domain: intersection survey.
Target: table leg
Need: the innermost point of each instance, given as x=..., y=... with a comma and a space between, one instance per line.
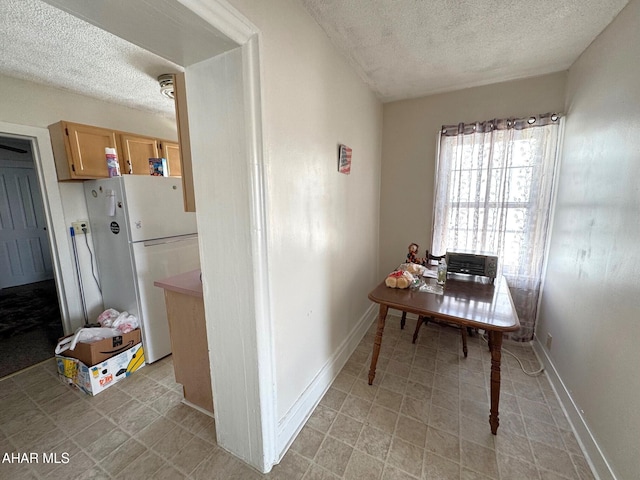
x=495, y=340
x=377, y=342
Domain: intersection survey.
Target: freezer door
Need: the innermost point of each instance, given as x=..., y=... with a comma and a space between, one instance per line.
x=157, y=260
x=155, y=208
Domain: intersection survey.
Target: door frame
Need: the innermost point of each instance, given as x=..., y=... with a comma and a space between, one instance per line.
x=44, y=166
x=259, y=444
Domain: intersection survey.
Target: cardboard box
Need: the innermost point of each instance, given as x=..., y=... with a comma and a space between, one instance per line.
x=96, y=352
x=97, y=378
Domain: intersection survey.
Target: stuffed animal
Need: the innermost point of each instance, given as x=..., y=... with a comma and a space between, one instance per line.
x=412, y=256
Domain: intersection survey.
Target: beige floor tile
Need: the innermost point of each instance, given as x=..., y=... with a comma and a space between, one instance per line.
x=374, y=442
x=382, y=418
x=363, y=390
x=426, y=416
x=437, y=467
x=292, y=467
x=467, y=474
x=187, y=458
x=322, y=418
x=356, y=407
x=316, y=472
x=343, y=382
x=166, y=401
x=509, y=444
x=346, y=429
x=399, y=369
x=308, y=442
x=478, y=458
x=94, y=432
x=406, y=456
x=417, y=408
x=334, y=455
x=168, y=445
x=443, y=444
x=388, y=399
x=514, y=468
x=145, y=466
x=167, y=472
x=155, y=431
x=122, y=457
x=445, y=420
x=333, y=399
x=476, y=431
x=394, y=383
x=361, y=466
x=553, y=459
x=133, y=416
x=411, y=430
x=393, y=473
x=106, y=444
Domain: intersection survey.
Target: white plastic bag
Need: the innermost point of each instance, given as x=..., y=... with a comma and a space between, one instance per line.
x=86, y=335
x=125, y=322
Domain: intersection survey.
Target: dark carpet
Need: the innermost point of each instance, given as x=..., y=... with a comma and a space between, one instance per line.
x=30, y=325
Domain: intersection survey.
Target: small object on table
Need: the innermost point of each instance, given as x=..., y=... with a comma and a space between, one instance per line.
x=412, y=256
x=399, y=279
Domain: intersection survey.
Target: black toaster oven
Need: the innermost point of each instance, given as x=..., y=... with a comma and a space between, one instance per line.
x=470, y=263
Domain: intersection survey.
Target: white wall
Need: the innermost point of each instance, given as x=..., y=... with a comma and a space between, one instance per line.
x=409, y=145
x=323, y=225
x=35, y=105
x=591, y=300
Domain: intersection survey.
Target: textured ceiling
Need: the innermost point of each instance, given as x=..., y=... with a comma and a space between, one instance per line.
x=45, y=45
x=401, y=48
x=410, y=48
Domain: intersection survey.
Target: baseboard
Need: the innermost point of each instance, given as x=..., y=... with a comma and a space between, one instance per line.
x=592, y=451
x=293, y=421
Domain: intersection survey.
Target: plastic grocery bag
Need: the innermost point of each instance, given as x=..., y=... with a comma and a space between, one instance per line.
x=123, y=321
x=86, y=335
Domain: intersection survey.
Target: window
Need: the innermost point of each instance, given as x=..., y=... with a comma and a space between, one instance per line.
x=493, y=193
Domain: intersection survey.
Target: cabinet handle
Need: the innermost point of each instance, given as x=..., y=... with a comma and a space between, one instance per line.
x=130, y=168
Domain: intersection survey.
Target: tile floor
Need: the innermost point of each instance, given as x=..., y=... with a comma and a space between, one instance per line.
x=425, y=417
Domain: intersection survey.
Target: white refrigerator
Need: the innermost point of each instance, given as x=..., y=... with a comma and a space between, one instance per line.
x=141, y=234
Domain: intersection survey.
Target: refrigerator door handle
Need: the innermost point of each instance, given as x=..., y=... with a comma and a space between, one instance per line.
x=165, y=240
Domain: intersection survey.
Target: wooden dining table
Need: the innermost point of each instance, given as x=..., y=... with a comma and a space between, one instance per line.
x=465, y=300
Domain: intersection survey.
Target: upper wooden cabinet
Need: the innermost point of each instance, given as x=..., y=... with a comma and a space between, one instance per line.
x=171, y=151
x=79, y=150
x=136, y=152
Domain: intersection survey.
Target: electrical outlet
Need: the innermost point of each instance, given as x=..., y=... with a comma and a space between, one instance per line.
x=549, y=340
x=79, y=226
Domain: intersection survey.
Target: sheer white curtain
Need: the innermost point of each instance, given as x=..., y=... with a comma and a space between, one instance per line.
x=494, y=184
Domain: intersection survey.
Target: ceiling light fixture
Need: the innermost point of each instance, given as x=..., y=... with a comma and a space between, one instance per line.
x=166, y=85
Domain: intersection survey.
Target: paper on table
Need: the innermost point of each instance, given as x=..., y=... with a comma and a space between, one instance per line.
x=430, y=288
x=430, y=273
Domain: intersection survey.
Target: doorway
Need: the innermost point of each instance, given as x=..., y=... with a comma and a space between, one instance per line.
x=30, y=318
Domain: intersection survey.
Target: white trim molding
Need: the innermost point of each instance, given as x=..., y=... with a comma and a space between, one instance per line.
x=293, y=421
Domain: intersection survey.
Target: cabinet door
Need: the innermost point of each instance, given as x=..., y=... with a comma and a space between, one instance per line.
x=171, y=151
x=136, y=152
x=86, y=155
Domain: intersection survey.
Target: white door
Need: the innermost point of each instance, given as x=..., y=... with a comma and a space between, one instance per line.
x=24, y=245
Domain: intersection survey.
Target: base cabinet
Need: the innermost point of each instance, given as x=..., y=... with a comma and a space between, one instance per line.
x=189, y=348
